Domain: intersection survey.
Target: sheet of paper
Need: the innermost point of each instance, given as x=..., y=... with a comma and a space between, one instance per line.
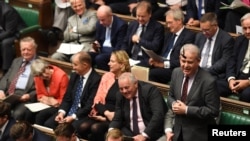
x=153, y=55
x=43, y=129
x=35, y=107
x=239, y=30
x=133, y=62
x=11, y=98
x=69, y=48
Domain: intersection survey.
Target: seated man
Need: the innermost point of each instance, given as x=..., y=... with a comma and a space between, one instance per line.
x=66, y=132
x=20, y=81
x=6, y=121
x=110, y=31
x=178, y=36
x=23, y=131
x=80, y=29
x=10, y=24
x=143, y=32
x=140, y=109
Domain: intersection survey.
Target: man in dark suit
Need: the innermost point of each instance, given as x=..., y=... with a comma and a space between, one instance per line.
x=83, y=68
x=14, y=82
x=147, y=120
x=6, y=121
x=193, y=15
x=237, y=74
x=193, y=97
x=215, y=44
x=10, y=24
x=23, y=131
x=144, y=32
x=178, y=36
x=110, y=31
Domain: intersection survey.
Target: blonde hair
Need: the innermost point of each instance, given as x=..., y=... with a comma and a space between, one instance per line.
x=115, y=134
x=122, y=58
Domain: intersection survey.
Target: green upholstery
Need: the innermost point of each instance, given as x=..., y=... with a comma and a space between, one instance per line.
x=228, y=118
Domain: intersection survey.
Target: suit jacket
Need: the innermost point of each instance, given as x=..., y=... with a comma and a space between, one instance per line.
x=222, y=51
x=203, y=103
x=40, y=136
x=118, y=32
x=152, y=38
x=87, y=96
x=6, y=132
x=235, y=62
x=9, y=76
x=85, y=27
x=209, y=6
x=10, y=21
x=57, y=87
x=185, y=37
x=152, y=106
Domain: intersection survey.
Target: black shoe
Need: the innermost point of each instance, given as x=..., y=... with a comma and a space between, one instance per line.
x=52, y=38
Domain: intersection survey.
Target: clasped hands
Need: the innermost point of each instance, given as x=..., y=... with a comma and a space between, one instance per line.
x=238, y=85
x=178, y=107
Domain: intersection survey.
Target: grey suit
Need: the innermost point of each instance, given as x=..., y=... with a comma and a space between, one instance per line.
x=203, y=104
x=222, y=51
x=18, y=108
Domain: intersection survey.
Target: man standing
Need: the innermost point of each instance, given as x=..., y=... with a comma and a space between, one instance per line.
x=140, y=109
x=19, y=79
x=193, y=97
x=10, y=25
x=178, y=36
x=110, y=31
x=144, y=32
x=80, y=93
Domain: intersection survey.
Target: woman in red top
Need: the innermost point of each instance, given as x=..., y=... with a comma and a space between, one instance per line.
x=51, y=83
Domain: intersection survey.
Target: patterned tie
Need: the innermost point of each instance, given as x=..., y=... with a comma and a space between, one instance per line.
x=137, y=48
x=185, y=90
x=12, y=86
x=206, y=54
x=78, y=94
x=135, y=118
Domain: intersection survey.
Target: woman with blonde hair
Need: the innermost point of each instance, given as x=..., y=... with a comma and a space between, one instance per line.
x=96, y=125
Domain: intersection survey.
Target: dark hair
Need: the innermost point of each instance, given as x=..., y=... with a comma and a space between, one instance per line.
x=209, y=17
x=65, y=130
x=145, y=4
x=21, y=129
x=5, y=109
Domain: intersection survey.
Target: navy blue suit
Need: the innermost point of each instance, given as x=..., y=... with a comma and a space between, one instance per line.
x=163, y=75
x=6, y=132
x=118, y=32
x=234, y=69
x=40, y=136
x=152, y=38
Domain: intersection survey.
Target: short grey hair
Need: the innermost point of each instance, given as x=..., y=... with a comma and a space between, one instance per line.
x=246, y=16
x=38, y=66
x=176, y=13
x=191, y=48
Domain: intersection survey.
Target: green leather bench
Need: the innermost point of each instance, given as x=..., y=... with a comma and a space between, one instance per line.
x=229, y=118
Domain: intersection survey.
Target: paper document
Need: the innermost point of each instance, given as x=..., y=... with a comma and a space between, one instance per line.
x=35, y=107
x=153, y=55
x=69, y=48
x=239, y=29
x=11, y=98
x=237, y=5
x=133, y=62
x=43, y=129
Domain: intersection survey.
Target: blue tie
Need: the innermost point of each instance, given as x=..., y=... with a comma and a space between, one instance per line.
x=170, y=46
x=78, y=94
x=199, y=8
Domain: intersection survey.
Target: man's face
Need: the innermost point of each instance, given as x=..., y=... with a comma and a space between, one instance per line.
x=28, y=50
x=208, y=29
x=78, y=6
x=173, y=25
x=142, y=16
x=79, y=67
x=104, y=19
x=190, y=64
x=246, y=28
x=127, y=88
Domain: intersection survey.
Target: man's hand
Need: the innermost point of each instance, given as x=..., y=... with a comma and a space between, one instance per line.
x=179, y=107
x=238, y=85
x=25, y=97
x=98, y=118
x=135, y=38
x=169, y=136
x=154, y=63
x=139, y=137
x=59, y=118
x=2, y=95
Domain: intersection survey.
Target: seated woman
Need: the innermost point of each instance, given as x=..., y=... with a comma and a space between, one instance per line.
x=96, y=125
x=51, y=83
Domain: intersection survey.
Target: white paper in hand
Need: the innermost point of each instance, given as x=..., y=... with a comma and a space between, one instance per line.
x=69, y=48
x=35, y=107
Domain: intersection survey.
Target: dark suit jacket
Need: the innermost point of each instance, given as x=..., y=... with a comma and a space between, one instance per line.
x=210, y=6
x=6, y=132
x=40, y=136
x=118, y=32
x=203, y=103
x=235, y=62
x=8, y=77
x=222, y=51
x=152, y=38
x=185, y=37
x=88, y=93
x=10, y=21
x=152, y=106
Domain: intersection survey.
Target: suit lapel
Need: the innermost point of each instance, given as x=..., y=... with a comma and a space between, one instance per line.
x=194, y=86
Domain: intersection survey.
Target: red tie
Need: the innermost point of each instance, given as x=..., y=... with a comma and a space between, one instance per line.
x=135, y=118
x=185, y=90
x=12, y=86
